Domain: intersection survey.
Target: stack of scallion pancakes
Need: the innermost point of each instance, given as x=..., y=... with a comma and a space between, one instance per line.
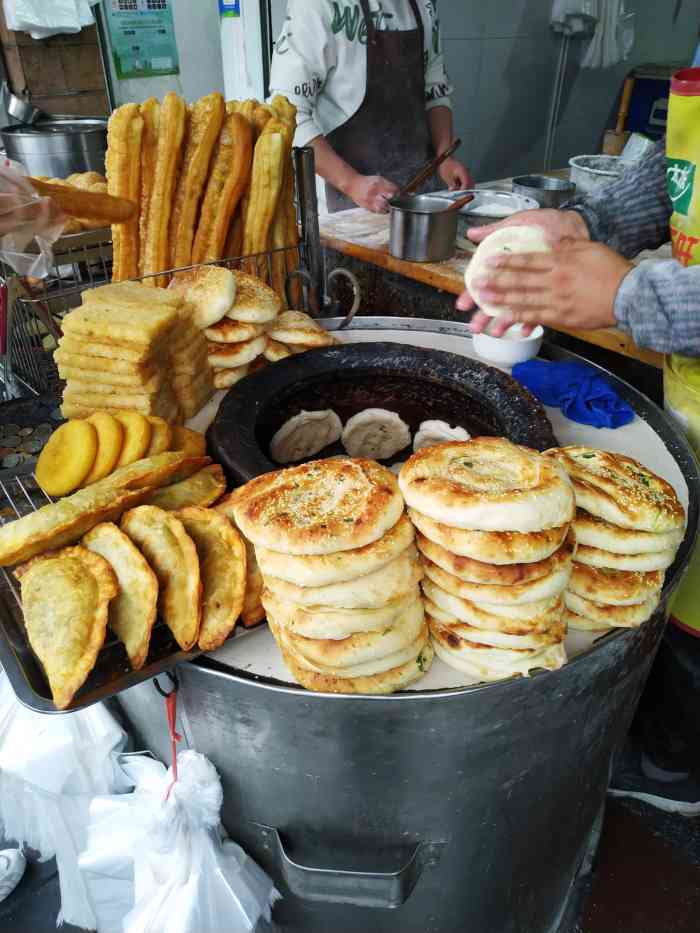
x=341, y=574
x=494, y=528
x=629, y=525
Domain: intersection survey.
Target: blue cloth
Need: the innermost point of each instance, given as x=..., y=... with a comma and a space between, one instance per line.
x=581, y=393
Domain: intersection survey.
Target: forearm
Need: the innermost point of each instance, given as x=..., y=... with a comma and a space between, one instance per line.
x=659, y=304
x=633, y=213
x=441, y=128
x=331, y=167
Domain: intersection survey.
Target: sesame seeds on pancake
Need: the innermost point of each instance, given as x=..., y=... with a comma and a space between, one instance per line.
x=620, y=490
x=320, y=507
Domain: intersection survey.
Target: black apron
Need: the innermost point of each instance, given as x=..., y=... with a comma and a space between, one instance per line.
x=389, y=134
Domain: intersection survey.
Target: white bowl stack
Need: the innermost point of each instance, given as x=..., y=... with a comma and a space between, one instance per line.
x=341, y=574
x=493, y=527
x=629, y=525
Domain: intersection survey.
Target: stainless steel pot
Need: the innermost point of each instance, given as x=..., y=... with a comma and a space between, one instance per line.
x=58, y=146
x=463, y=809
x=548, y=192
x=421, y=229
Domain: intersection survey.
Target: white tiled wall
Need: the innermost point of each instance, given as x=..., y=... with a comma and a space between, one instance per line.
x=502, y=58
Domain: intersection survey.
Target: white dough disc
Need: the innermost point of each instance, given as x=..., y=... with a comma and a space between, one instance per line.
x=305, y=435
x=375, y=434
x=431, y=433
x=525, y=239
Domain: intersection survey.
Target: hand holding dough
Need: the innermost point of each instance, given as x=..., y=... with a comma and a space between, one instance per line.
x=517, y=240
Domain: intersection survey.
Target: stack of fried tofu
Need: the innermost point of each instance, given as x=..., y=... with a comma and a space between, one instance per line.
x=132, y=347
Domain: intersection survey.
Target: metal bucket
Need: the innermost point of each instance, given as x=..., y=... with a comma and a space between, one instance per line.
x=421, y=229
x=59, y=146
x=470, y=808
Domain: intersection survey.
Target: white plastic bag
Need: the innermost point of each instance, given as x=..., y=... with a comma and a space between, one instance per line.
x=162, y=866
x=29, y=224
x=42, y=19
x=50, y=769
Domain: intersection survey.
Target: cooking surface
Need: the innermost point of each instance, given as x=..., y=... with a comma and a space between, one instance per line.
x=255, y=652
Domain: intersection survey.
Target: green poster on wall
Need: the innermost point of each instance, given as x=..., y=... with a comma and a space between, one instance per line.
x=142, y=38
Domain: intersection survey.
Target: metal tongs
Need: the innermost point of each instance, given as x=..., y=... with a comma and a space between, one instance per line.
x=428, y=169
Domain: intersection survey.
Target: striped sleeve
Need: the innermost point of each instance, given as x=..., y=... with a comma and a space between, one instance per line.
x=633, y=213
x=658, y=303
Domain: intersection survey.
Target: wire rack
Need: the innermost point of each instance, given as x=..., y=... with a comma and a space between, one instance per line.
x=35, y=309
x=112, y=673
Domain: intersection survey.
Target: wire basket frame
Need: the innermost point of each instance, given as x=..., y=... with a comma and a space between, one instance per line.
x=35, y=309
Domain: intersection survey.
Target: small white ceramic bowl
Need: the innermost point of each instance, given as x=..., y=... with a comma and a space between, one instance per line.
x=509, y=349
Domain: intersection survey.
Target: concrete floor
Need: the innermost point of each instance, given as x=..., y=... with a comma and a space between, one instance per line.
x=647, y=880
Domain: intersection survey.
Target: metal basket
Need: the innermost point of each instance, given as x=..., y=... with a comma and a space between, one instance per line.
x=84, y=260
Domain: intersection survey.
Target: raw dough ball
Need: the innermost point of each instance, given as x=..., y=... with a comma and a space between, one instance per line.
x=525, y=239
x=304, y=435
x=375, y=434
x=431, y=433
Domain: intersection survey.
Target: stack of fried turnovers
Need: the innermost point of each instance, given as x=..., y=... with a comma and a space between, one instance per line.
x=493, y=525
x=340, y=573
x=134, y=562
x=212, y=180
x=629, y=525
x=238, y=339
x=114, y=352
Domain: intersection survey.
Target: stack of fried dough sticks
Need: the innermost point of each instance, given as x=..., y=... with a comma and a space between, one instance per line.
x=213, y=181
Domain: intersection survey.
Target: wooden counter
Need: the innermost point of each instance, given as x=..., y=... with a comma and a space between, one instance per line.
x=365, y=237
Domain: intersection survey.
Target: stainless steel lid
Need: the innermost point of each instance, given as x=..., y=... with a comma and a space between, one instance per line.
x=64, y=126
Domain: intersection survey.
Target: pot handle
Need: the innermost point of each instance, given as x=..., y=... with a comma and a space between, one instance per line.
x=361, y=889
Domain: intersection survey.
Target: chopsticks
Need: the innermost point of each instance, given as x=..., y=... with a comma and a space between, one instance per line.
x=428, y=169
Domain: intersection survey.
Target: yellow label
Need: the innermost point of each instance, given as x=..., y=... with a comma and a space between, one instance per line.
x=683, y=176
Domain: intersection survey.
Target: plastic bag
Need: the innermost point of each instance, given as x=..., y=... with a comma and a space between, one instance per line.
x=156, y=865
x=29, y=224
x=41, y=19
x=50, y=769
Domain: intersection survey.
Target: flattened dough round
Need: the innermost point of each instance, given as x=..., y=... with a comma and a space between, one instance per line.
x=525, y=239
x=375, y=433
x=304, y=435
x=431, y=433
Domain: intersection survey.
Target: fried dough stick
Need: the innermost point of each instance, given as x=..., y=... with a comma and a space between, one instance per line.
x=204, y=124
x=265, y=188
x=228, y=181
x=171, y=131
x=123, y=160
x=150, y=111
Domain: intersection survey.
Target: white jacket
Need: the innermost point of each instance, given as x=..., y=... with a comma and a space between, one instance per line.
x=320, y=60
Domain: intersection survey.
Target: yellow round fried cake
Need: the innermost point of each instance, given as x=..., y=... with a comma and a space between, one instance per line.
x=513, y=620
x=67, y=458
x=110, y=438
x=488, y=484
x=611, y=616
x=621, y=490
x=597, y=533
x=552, y=635
x=320, y=507
x=320, y=622
x=161, y=436
x=137, y=436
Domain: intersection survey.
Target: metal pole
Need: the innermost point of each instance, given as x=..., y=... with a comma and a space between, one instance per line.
x=305, y=172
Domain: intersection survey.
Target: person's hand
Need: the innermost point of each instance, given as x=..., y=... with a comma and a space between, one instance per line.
x=574, y=286
x=455, y=175
x=557, y=225
x=17, y=215
x=372, y=192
